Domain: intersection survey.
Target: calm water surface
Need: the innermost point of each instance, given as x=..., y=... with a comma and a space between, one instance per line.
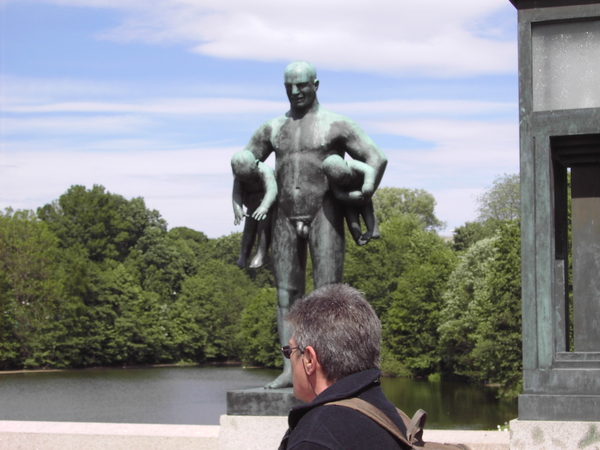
x=197, y=396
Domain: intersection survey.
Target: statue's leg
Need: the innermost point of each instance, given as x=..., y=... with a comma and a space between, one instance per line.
x=289, y=265
x=327, y=243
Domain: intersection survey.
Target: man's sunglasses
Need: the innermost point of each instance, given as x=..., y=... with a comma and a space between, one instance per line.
x=287, y=351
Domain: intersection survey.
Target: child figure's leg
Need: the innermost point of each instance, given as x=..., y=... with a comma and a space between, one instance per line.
x=250, y=229
x=368, y=214
x=353, y=222
x=264, y=242
x=248, y=238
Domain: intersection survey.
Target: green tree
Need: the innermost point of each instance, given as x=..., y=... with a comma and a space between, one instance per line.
x=391, y=202
x=105, y=224
x=501, y=201
x=497, y=354
x=497, y=204
x=480, y=328
x=459, y=318
x=471, y=232
x=211, y=305
x=410, y=324
x=30, y=290
x=258, y=333
x=403, y=275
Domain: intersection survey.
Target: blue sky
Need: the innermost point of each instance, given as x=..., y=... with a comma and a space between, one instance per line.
x=151, y=98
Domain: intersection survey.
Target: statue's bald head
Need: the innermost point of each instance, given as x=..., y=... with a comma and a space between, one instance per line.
x=301, y=84
x=300, y=69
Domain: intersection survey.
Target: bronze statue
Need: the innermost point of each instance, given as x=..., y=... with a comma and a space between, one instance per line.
x=306, y=212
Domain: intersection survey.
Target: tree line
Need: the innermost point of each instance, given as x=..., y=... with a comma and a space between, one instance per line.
x=94, y=279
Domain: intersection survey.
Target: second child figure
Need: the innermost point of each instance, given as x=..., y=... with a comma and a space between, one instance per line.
x=254, y=187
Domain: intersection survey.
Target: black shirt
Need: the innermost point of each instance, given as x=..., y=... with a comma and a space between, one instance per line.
x=317, y=427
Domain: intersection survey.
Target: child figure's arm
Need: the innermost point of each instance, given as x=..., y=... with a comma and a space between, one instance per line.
x=237, y=198
x=267, y=177
x=369, y=175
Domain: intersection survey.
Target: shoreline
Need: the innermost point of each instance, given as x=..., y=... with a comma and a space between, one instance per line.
x=135, y=366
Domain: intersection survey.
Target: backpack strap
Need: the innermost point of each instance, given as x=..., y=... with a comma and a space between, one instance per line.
x=375, y=414
x=415, y=428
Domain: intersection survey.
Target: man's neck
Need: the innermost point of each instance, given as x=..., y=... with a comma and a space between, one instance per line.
x=296, y=113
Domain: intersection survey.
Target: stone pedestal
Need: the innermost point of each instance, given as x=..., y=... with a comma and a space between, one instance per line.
x=261, y=402
x=553, y=435
x=559, y=118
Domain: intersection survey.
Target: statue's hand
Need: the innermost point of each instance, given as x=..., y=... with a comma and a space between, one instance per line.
x=260, y=213
x=368, y=189
x=239, y=215
x=355, y=196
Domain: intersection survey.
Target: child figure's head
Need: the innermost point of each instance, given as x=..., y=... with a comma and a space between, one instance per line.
x=244, y=166
x=337, y=170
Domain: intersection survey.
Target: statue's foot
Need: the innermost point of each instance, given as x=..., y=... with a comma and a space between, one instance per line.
x=241, y=262
x=365, y=238
x=282, y=381
x=257, y=261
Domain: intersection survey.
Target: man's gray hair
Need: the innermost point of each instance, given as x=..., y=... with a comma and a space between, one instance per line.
x=341, y=326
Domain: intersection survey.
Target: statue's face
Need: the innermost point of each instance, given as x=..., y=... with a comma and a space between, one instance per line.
x=300, y=88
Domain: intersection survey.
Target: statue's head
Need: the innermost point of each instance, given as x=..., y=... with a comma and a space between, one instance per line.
x=301, y=85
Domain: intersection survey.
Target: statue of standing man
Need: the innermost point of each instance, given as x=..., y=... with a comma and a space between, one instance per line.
x=305, y=213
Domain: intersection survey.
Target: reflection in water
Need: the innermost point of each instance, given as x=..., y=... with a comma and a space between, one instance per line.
x=450, y=405
x=197, y=395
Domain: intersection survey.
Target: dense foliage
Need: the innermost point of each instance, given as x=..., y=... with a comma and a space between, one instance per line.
x=95, y=279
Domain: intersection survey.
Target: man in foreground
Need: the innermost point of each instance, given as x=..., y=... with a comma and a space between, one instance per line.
x=334, y=354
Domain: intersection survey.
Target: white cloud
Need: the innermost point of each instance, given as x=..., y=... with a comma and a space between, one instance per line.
x=423, y=107
x=156, y=106
x=190, y=187
x=433, y=37
x=468, y=143
x=73, y=125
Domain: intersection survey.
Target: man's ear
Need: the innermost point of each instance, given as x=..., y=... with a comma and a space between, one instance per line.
x=310, y=360
x=316, y=83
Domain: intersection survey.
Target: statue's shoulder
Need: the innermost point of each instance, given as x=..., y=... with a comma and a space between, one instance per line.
x=270, y=127
x=331, y=117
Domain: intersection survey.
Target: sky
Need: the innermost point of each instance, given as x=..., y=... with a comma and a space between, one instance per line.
x=151, y=98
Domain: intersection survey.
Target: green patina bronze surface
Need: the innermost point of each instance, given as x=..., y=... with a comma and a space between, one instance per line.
x=559, y=382
x=306, y=216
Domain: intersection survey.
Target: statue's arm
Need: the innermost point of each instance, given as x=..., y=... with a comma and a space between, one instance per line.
x=260, y=142
x=362, y=148
x=267, y=176
x=237, y=199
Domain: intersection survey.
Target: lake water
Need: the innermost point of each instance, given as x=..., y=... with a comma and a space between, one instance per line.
x=197, y=396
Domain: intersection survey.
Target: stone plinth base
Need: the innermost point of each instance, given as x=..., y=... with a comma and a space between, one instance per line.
x=556, y=408
x=251, y=432
x=16, y=435
x=551, y=435
x=261, y=402
x=235, y=433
